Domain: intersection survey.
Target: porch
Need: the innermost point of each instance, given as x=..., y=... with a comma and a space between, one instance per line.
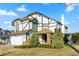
x=45, y=36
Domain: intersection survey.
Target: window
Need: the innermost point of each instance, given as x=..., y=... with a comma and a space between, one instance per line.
x=17, y=26
x=45, y=24
x=60, y=29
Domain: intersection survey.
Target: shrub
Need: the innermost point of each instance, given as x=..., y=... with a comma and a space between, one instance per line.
x=17, y=46
x=23, y=46
x=75, y=38
x=57, y=40
x=33, y=41
x=45, y=46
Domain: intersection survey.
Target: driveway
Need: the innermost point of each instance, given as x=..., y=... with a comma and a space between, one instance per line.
x=5, y=46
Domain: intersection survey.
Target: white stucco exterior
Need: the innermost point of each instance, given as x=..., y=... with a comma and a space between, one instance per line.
x=40, y=38
x=43, y=22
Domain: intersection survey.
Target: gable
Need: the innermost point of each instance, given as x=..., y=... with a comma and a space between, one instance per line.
x=41, y=18
x=45, y=18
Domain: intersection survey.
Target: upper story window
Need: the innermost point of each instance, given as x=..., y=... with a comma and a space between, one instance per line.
x=17, y=26
x=45, y=24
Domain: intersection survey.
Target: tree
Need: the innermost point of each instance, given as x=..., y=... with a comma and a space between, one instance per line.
x=66, y=39
x=33, y=41
x=75, y=38
x=57, y=41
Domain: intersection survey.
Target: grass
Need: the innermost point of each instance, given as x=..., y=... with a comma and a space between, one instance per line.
x=66, y=51
x=76, y=46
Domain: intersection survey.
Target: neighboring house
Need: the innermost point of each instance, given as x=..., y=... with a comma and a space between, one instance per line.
x=4, y=35
x=38, y=22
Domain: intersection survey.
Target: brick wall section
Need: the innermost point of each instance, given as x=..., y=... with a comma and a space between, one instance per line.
x=49, y=38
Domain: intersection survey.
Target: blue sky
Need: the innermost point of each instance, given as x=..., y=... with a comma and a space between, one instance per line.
x=11, y=11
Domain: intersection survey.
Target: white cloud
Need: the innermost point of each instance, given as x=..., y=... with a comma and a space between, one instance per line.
x=12, y=14
x=6, y=22
x=70, y=6
x=8, y=13
x=45, y=3
x=22, y=8
x=10, y=26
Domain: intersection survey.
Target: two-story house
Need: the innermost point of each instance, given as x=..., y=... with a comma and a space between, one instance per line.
x=38, y=22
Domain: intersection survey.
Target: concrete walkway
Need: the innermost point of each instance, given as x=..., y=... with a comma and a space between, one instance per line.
x=6, y=46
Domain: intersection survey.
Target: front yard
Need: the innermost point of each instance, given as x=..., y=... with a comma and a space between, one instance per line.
x=66, y=51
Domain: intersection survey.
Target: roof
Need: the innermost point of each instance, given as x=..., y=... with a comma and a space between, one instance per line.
x=22, y=19
x=26, y=18
x=44, y=31
x=45, y=16
x=20, y=33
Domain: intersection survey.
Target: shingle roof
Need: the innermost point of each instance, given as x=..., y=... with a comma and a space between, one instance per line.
x=22, y=19
x=44, y=31
x=20, y=33
x=45, y=16
x=26, y=18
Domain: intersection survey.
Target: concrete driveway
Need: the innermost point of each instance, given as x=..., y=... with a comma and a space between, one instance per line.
x=5, y=46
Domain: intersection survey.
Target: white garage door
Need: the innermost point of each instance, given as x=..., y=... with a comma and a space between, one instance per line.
x=17, y=40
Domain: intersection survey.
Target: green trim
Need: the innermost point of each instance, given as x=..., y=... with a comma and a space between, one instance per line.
x=22, y=25
x=17, y=26
x=26, y=25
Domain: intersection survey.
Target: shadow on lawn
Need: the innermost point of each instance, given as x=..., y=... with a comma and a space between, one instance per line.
x=74, y=48
x=6, y=53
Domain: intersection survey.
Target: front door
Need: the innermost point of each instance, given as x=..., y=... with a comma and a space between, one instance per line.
x=44, y=37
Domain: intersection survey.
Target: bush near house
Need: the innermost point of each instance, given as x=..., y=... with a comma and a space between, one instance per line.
x=57, y=41
x=23, y=46
x=33, y=41
x=45, y=46
x=75, y=38
x=66, y=39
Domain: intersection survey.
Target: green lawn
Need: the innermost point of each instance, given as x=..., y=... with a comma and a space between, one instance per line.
x=66, y=51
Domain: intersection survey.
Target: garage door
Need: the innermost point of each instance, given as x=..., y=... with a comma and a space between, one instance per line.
x=16, y=40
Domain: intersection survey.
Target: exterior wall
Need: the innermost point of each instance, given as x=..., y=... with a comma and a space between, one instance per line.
x=40, y=39
x=22, y=25
x=16, y=24
x=52, y=26
x=49, y=38
x=63, y=31
x=44, y=22
x=19, y=26
x=45, y=19
x=18, y=40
